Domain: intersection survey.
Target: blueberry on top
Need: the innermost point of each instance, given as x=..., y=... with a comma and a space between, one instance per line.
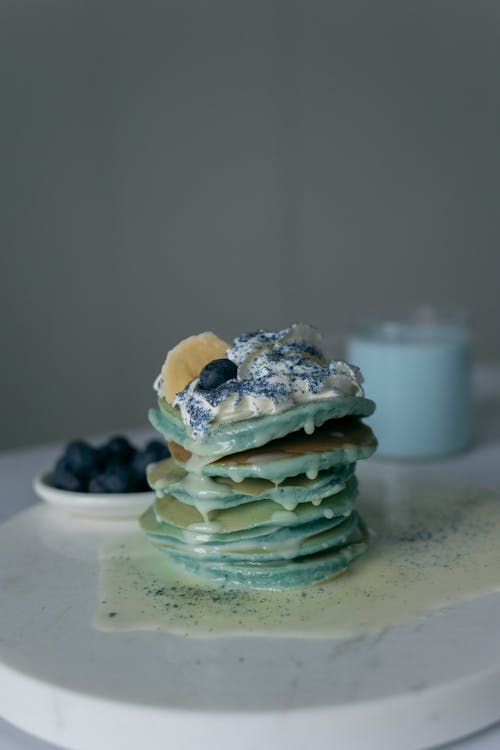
x=217, y=372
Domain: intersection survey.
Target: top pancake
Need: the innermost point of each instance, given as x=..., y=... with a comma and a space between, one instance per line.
x=235, y=437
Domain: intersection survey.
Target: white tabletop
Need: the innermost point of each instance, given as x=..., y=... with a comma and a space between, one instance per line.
x=18, y=467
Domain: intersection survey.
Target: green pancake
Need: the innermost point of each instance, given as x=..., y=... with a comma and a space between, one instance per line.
x=160, y=531
x=224, y=439
x=283, y=544
x=211, y=493
x=338, y=442
x=301, y=571
x=167, y=509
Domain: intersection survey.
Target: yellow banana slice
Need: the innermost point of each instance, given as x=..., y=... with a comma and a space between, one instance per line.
x=186, y=360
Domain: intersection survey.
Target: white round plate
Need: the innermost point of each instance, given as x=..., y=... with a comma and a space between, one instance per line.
x=95, y=504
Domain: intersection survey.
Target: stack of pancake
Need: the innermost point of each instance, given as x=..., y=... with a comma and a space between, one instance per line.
x=264, y=502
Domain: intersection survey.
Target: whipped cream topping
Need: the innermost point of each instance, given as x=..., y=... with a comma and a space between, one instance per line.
x=304, y=337
x=276, y=371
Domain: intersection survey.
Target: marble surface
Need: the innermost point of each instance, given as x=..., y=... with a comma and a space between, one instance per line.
x=480, y=464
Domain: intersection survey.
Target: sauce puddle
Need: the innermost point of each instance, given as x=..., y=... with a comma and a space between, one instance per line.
x=432, y=546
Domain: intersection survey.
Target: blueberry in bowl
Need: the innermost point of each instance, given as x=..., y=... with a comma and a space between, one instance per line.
x=106, y=480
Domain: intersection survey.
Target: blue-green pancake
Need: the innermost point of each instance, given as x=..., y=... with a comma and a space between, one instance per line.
x=338, y=442
x=210, y=493
x=259, y=513
x=298, y=572
x=160, y=531
x=283, y=544
x=234, y=437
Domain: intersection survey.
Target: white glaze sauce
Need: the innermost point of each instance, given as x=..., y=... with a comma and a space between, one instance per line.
x=432, y=546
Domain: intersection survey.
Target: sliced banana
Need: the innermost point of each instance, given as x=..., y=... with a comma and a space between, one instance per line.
x=186, y=360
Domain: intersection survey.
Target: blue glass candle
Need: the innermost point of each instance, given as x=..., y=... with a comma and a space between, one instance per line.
x=419, y=376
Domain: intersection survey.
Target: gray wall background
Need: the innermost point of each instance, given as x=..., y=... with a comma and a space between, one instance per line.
x=179, y=166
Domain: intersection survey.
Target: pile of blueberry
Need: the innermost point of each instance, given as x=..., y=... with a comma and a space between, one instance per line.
x=116, y=466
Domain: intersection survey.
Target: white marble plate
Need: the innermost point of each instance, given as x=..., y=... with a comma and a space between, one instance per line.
x=425, y=681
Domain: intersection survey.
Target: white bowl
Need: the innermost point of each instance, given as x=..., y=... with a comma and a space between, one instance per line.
x=93, y=504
